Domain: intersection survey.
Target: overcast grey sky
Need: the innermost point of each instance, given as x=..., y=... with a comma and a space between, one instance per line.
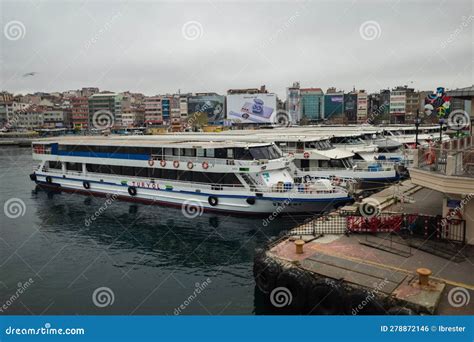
x=161, y=46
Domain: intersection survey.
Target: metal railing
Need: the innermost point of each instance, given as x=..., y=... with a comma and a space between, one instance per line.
x=219, y=161
x=290, y=189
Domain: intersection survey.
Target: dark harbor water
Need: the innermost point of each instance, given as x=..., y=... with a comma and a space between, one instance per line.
x=150, y=259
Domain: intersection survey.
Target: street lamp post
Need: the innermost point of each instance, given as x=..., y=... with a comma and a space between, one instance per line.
x=417, y=124
x=441, y=122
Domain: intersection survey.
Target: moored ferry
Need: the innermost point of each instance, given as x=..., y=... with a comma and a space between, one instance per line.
x=250, y=178
x=314, y=157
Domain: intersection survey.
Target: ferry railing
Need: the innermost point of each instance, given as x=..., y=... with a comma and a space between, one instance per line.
x=293, y=188
x=220, y=161
x=358, y=167
x=432, y=158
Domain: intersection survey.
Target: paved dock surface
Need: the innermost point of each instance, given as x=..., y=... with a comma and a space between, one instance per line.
x=367, y=260
x=344, y=257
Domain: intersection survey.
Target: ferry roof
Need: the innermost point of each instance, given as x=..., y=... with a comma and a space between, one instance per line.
x=147, y=141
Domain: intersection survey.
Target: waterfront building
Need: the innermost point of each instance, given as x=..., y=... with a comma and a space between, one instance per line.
x=30, y=118
x=312, y=104
x=153, y=110
x=108, y=104
x=175, y=119
x=9, y=107
x=80, y=112
x=89, y=91
x=362, y=106
x=166, y=109
x=334, y=106
x=350, y=107
x=403, y=102
x=293, y=102
x=412, y=105
x=53, y=118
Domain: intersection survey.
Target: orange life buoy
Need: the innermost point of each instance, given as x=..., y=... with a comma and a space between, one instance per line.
x=430, y=157
x=163, y=163
x=190, y=165
x=205, y=165
x=151, y=162
x=176, y=164
x=306, y=155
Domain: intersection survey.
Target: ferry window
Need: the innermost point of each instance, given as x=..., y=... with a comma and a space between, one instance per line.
x=274, y=153
x=169, y=174
x=200, y=152
x=189, y=152
x=157, y=151
x=55, y=165
x=260, y=153
x=300, y=145
x=155, y=173
x=324, y=163
x=210, y=152
x=230, y=153
x=141, y=150
x=141, y=172
x=128, y=171
x=168, y=151
x=230, y=178
x=185, y=176
x=220, y=153
x=74, y=166
x=241, y=153
x=116, y=170
x=176, y=152
x=336, y=163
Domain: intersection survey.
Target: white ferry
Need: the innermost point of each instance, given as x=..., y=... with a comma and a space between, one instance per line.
x=248, y=178
x=407, y=135
x=313, y=157
x=316, y=157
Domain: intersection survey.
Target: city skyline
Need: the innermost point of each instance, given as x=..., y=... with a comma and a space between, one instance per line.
x=158, y=48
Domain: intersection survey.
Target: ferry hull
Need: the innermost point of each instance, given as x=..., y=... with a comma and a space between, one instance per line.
x=192, y=202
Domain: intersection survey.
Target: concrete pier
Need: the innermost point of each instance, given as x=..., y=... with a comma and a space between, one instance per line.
x=383, y=266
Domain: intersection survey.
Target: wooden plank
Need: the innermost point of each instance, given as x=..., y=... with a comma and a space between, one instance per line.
x=369, y=270
x=349, y=276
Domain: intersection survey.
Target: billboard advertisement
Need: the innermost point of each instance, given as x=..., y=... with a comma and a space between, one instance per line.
x=252, y=108
x=212, y=105
x=333, y=105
